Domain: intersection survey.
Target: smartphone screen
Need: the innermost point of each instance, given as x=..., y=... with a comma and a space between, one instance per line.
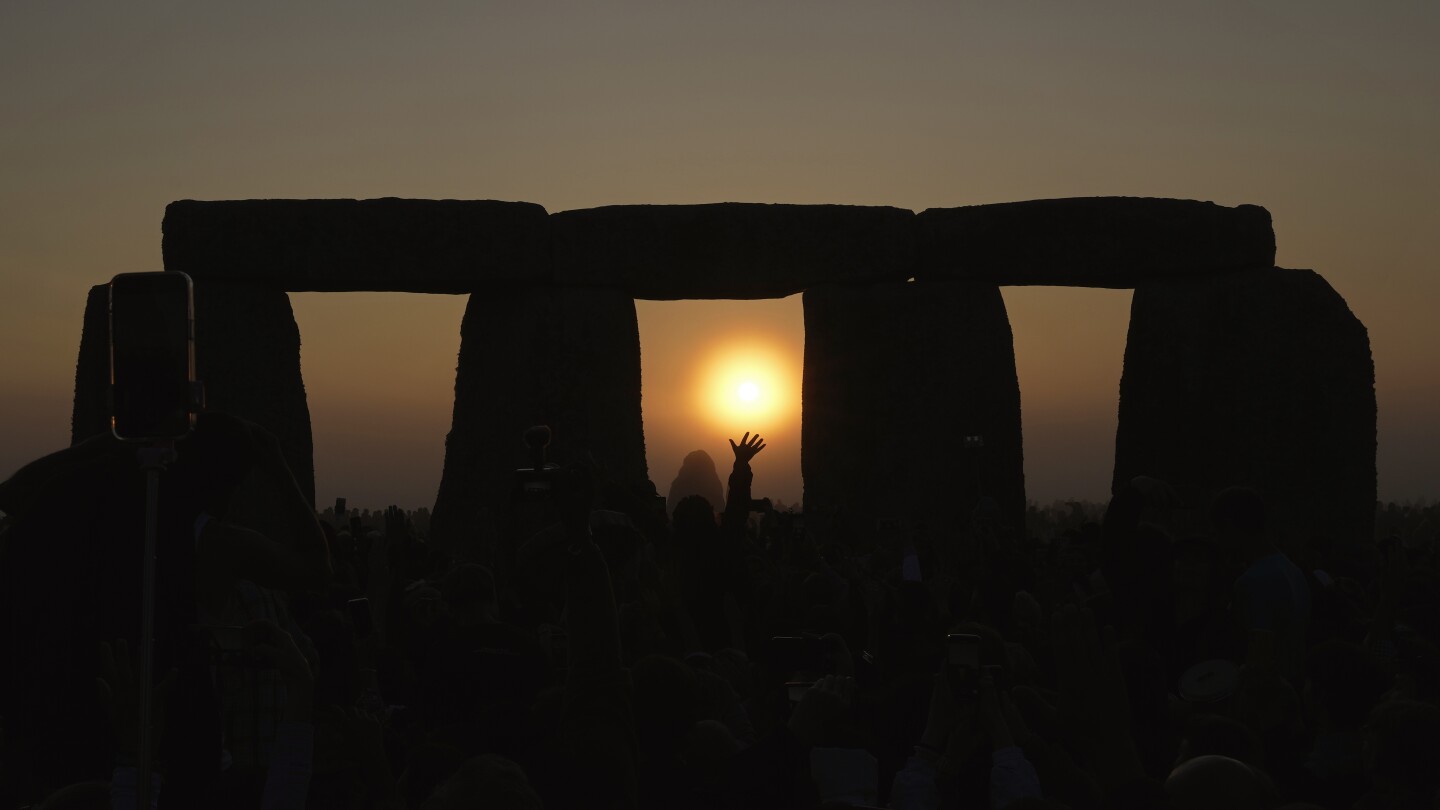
x=152, y=355
x=964, y=650
x=361, y=618
x=796, y=690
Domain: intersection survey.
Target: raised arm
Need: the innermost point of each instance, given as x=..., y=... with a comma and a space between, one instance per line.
x=737, y=500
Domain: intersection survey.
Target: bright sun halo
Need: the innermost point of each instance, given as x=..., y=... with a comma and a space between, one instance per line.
x=746, y=384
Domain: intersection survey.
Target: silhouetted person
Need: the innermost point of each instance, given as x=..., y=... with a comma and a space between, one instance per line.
x=697, y=476
x=76, y=547
x=1271, y=596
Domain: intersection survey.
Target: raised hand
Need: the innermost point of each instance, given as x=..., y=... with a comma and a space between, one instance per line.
x=747, y=448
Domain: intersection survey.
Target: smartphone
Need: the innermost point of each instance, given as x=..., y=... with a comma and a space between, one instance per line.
x=226, y=643
x=361, y=618
x=799, y=653
x=153, y=393
x=796, y=690
x=964, y=650
x=962, y=665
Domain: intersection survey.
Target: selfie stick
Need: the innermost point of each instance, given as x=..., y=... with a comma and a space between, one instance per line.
x=153, y=459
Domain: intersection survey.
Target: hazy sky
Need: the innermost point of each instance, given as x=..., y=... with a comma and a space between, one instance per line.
x=1326, y=113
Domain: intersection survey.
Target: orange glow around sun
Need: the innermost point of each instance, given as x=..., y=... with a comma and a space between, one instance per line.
x=747, y=384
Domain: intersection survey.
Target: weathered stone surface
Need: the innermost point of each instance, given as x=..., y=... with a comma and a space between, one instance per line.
x=1261, y=379
x=1092, y=241
x=896, y=377
x=247, y=353
x=433, y=246
x=90, y=413
x=563, y=357
x=730, y=250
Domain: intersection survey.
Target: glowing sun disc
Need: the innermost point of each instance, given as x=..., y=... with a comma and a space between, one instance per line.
x=746, y=383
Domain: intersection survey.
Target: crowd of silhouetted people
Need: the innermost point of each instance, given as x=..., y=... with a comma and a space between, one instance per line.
x=594, y=647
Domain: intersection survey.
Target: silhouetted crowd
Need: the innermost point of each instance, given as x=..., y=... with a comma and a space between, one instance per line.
x=593, y=647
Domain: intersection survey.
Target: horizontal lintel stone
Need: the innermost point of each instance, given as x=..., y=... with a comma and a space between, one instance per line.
x=731, y=250
x=1113, y=242
x=434, y=246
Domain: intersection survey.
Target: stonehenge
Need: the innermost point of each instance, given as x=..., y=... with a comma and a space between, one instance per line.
x=1236, y=371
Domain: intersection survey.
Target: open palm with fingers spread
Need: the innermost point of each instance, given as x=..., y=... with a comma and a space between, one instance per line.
x=747, y=448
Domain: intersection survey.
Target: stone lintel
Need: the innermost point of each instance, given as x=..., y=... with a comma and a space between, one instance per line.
x=382, y=245
x=1115, y=242
x=731, y=250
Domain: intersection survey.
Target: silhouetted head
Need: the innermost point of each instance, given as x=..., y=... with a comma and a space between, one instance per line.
x=697, y=476
x=213, y=460
x=1209, y=782
x=1214, y=734
x=1402, y=747
x=1343, y=684
x=469, y=593
x=1238, y=515
x=485, y=781
x=694, y=518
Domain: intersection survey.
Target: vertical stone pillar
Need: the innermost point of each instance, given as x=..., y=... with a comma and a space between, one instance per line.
x=1261, y=379
x=247, y=353
x=562, y=356
x=90, y=413
x=897, y=375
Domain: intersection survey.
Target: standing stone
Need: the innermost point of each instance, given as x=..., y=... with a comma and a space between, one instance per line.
x=1262, y=380
x=90, y=413
x=896, y=377
x=564, y=357
x=247, y=354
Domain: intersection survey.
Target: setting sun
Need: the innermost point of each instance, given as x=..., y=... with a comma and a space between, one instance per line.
x=748, y=382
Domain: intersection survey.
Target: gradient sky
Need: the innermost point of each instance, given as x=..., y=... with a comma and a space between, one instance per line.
x=1327, y=113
